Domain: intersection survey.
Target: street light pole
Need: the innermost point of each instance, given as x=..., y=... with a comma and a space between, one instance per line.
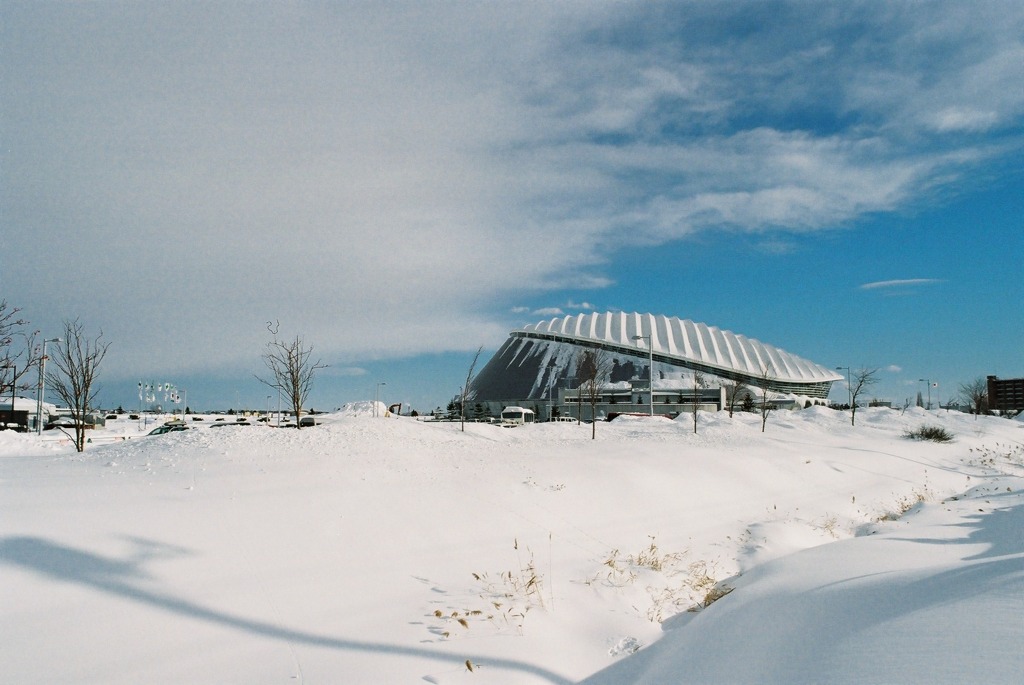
x=376, y=399
x=551, y=385
x=849, y=389
x=42, y=387
x=650, y=368
x=927, y=381
x=14, y=379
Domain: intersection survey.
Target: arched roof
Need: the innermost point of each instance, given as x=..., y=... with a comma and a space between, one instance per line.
x=683, y=342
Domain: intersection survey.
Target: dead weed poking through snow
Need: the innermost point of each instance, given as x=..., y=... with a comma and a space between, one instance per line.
x=505, y=600
x=672, y=584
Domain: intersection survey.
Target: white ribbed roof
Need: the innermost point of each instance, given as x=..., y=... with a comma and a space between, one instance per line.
x=687, y=340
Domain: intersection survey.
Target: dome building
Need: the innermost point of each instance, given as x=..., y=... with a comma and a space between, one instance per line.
x=535, y=367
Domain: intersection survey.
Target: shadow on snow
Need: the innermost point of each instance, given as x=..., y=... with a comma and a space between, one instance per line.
x=121, y=576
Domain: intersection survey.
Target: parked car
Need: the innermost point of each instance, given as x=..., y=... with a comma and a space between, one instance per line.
x=168, y=428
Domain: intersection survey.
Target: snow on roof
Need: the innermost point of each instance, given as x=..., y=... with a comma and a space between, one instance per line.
x=26, y=404
x=684, y=340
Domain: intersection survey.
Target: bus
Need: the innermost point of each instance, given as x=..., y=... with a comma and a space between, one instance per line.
x=516, y=416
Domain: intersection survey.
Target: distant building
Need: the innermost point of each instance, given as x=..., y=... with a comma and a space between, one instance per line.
x=535, y=366
x=24, y=404
x=1006, y=394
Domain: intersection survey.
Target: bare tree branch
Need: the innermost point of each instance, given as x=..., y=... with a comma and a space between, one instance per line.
x=735, y=391
x=77, y=360
x=976, y=394
x=467, y=390
x=592, y=367
x=17, y=350
x=763, y=382
x=699, y=382
x=860, y=381
x=292, y=370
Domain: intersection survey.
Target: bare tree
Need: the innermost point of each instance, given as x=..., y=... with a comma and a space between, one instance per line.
x=77, y=359
x=468, y=392
x=17, y=350
x=763, y=382
x=976, y=394
x=735, y=391
x=592, y=367
x=860, y=380
x=292, y=369
x=698, y=384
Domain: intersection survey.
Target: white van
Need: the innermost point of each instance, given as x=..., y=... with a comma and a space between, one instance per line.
x=516, y=416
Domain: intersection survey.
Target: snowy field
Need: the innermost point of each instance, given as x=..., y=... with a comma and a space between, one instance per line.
x=390, y=550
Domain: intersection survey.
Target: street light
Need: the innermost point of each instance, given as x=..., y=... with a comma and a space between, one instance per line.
x=376, y=399
x=42, y=387
x=650, y=371
x=14, y=379
x=849, y=388
x=551, y=382
x=929, y=382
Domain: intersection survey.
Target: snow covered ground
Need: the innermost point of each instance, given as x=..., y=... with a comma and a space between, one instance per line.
x=390, y=550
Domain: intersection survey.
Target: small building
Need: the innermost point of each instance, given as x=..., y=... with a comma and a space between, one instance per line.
x=1005, y=394
x=24, y=404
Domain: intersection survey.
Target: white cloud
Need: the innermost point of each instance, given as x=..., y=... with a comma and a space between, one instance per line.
x=893, y=368
x=376, y=176
x=344, y=371
x=963, y=119
x=899, y=283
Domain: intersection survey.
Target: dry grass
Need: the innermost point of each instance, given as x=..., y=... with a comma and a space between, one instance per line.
x=930, y=433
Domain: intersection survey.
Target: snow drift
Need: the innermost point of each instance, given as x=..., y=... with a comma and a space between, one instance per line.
x=395, y=550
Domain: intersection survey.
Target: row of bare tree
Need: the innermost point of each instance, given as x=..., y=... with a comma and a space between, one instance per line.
x=292, y=369
x=592, y=367
x=75, y=358
x=74, y=363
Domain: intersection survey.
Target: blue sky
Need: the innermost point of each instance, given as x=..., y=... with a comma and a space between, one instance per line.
x=402, y=183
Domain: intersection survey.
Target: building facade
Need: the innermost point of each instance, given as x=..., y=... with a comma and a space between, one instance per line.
x=1005, y=394
x=535, y=367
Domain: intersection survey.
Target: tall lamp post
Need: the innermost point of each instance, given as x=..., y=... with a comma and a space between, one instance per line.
x=928, y=381
x=14, y=378
x=376, y=399
x=551, y=385
x=650, y=368
x=42, y=387
x=849, y=389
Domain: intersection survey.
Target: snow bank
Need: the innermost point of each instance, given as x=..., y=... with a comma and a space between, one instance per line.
x=372, y=550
